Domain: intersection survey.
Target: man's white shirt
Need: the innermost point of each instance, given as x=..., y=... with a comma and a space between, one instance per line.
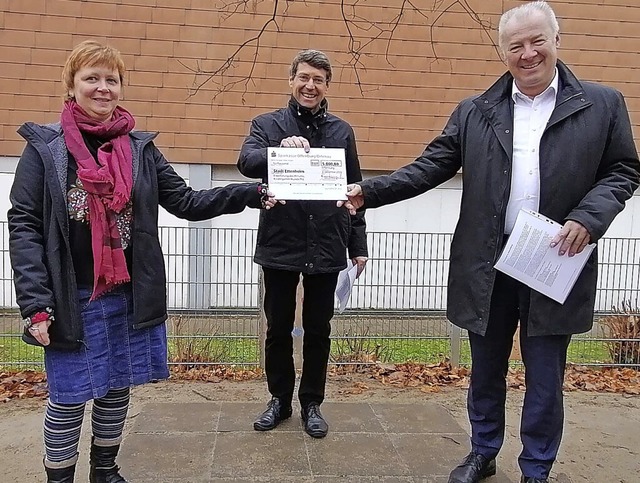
x=530, y=118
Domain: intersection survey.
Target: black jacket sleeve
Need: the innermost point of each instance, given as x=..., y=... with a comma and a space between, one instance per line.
x=440, y=161
x=184, y=202
x=618, y=174
x=27, y=245
x=357, y=238
x=252, y=161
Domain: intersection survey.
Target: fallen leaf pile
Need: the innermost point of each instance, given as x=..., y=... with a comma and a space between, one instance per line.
x=432, y=377
x=620, y=380
x=20, y=385
x=208, y=373
x=425, y=377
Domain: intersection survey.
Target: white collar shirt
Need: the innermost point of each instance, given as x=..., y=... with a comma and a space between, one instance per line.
x=530, y=118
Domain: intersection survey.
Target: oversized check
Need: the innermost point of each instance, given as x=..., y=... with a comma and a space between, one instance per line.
x=320, y=174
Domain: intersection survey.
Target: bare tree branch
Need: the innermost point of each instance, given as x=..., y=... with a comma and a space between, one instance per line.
x=484, y=25
x=362, y=33
x=228, y=64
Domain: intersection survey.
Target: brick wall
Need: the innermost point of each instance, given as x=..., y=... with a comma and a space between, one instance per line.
x=397, y=98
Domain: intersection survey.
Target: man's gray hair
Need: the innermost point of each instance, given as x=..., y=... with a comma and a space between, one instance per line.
x=525, y=11
x=314, y=58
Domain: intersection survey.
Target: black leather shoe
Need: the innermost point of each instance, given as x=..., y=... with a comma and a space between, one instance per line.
x=474, y=468
x=276, y=412
x=314, y=424
x=531, y=479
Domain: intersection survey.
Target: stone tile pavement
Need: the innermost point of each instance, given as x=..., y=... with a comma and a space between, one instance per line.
x=207, y=442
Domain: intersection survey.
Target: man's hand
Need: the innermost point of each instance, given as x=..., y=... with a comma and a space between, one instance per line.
x=361, y=262
x=572, y=237
x=355, y=198
x=295, y=142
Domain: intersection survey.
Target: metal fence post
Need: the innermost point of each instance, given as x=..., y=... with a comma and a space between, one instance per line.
x=298, y=332
x=262, y=322
x=455, y=345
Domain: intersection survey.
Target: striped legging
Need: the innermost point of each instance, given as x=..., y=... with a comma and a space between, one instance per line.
x=63, y=423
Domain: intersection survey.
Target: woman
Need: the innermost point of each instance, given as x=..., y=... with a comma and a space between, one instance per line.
x=89, y=271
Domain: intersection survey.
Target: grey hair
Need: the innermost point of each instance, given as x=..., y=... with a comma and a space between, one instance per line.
x=314, y=58
x=524, y=11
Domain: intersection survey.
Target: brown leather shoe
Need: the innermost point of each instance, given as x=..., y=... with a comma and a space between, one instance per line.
x=276, y=412
x=473, y=468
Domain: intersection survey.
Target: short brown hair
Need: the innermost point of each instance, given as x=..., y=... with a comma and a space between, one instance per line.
x=89, y=54
x=314, y=58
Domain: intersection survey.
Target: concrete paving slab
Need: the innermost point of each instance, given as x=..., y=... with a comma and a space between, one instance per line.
x=165, y=456
x=416, y=418
x=428, y=453
x=362, y=454
x=209, y=442
x=351, y=418
x=183, y=417
x=364, y=479
x=253, y=454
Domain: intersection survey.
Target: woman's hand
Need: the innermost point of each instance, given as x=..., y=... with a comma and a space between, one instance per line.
x=269, y=201
x=40, y=332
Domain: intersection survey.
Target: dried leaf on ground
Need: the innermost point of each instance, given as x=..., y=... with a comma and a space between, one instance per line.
x=209, y=373
x=417, y=375
x=24, y=384
x=621, y=380
x=427, y=377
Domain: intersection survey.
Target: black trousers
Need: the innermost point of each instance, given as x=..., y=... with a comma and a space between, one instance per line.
x=317, y=311
x=544, y=358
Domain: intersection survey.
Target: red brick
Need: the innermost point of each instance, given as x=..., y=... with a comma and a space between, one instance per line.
x=176, y=16
x=32, y=6
x=100, y=10
x=67, y=8
x=128, y=29
x=134, y=13
x=26, y=21
x=54, y=41
x=163, y=31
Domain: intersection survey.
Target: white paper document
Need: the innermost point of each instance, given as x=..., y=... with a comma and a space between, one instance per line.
x=320, y=174
x=528, y=258
x=346, y=279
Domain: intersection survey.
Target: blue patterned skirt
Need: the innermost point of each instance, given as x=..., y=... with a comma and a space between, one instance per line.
x=114, y=355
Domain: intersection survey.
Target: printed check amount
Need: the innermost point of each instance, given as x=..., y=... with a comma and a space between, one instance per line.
x=320, y=174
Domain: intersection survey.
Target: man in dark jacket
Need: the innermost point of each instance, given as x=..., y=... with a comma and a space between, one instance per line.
x=539, y=139
x=302, y=237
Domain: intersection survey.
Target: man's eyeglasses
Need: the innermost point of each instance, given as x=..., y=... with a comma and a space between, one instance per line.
x=304, y=78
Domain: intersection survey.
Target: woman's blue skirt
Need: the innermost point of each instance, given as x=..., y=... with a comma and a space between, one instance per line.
x=114, y=354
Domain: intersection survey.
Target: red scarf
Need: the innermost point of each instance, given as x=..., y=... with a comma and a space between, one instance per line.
x=108, y=185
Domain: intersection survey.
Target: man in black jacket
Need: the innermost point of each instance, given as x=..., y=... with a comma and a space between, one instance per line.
x=302, y=237
x=538, y=139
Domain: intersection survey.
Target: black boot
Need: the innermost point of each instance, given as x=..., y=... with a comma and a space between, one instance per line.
x=60, y=475
x=103, y=464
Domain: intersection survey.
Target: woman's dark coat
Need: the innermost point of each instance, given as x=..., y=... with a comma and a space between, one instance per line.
x=305, y=236
x=39, y=229
x=588, y=169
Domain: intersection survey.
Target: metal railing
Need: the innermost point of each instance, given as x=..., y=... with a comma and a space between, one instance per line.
x=396, y=311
